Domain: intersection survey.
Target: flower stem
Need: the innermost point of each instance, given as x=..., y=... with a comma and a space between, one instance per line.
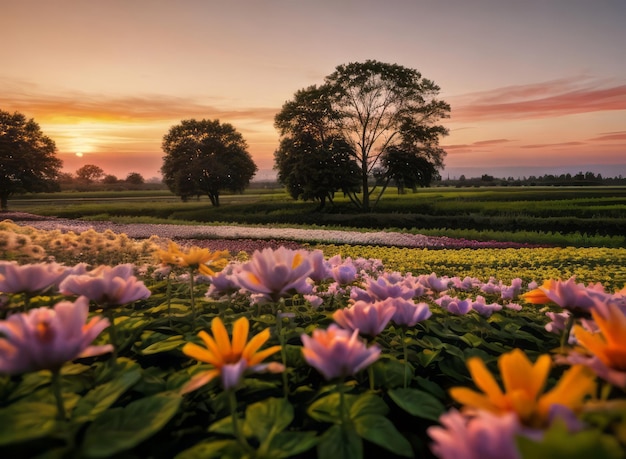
x=58, y=394
x=112, y=334
x=566, y=332
x=232, y=401
x=193, y=300
x=342, y=404
x=406, y=356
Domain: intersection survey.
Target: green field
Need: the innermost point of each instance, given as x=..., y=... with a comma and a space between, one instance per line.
x=564, y=216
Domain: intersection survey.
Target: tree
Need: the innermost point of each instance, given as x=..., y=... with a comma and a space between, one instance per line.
x=109, y=179
x=374, y=106
x=205, y=157
x=135, y=178
x=313, y=170
x=312, y=162
x=89, y=173
x=407, y=168
x=27, y=158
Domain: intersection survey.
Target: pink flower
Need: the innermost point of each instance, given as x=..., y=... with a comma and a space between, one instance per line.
x=45, y=338
x=368, y=318
x=30, y=278
x=454, y=305
x=337, y=353
x=320, y=271
x=484, y=309
x=557, y=321
x=407, y=313
x=481, y=436
x=575, y=297
x=107, y=286
x=389, y=285
x=314, y=300
x=274, y=274
x=344, y=272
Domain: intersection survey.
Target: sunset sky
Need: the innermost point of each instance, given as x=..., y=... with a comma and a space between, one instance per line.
x=536, y=86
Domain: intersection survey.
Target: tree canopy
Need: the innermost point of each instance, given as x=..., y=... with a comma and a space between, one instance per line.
x=373, y=107
x=89, y=173
x=27, y=158
x=205, y=157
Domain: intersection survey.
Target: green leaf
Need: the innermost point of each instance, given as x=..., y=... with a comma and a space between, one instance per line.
x=208, y=450
x=427, y=356
x=471, y=340
x=169, y=344
x=368, y=404
x=120, y=429
x=418, y=403
x=380, y=431
x=290, y=444
x=30, y=382
x=268, y=417
x=326, y=409
x=559, y=442
x=26, y=421
x=340, y=443
x=102, y=397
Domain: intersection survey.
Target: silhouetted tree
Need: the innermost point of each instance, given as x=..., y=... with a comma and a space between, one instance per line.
x=27, y=158
x=135, y=178
x=109, y=179
x=89, y=173
x=372, y=106
x=206, y=157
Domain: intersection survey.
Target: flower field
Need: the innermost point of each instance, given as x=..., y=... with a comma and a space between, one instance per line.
x=116, y=347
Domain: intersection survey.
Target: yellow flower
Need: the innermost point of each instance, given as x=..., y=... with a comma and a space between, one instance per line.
x=169, y=256
x=610, y=344
x=538, y=296
x=524, y=384
x=230, y=359
x=203, y=260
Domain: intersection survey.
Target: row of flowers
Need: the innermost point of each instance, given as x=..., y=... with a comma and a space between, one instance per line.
x=369, y=333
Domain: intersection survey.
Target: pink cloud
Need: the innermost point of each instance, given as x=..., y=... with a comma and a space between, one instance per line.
x=542, y=100
x=552, y=145
x=609, y=136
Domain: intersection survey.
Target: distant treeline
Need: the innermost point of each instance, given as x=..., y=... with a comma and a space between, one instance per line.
x=580, y=179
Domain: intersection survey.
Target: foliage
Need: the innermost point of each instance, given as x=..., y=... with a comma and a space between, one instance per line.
x=89, y=173
x=27, y=158
x=132, y=407
x=372, y=106
x=204, y=158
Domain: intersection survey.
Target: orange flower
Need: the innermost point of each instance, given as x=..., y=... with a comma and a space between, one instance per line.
x=538, y=295
x=524, y=388
x=610, y=344
x=203, y=260
x=230, y=360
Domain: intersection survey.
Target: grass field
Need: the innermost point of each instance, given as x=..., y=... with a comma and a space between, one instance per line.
x=575, y=216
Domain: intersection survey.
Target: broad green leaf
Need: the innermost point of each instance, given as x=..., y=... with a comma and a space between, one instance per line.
x=225, y=426
x=389, y=372
x=559, y=442
x=169, y=344
x=290, y=444
x=340, y=443
x=268, y=417
x=471, y=340
x=326, y=409
x=380, y=431
x=102, y=397
x=427, y=356
x=208, y=450
x=26, y=421
x=417, y=403
x=120, y=429
x=368, y=404
x=30, y=382
x=74, y=368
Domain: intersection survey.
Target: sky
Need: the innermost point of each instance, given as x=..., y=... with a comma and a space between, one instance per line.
x=535, y=86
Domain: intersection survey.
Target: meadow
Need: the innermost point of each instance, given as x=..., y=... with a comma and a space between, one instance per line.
x=332, y=351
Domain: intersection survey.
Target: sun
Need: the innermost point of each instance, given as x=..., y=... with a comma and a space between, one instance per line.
x=79, y=154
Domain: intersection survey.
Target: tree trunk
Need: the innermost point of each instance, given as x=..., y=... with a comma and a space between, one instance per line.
x=365, y=201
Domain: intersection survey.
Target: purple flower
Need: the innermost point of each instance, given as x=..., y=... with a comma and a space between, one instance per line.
x=274, y=274
x=454, y=305
x=46, y=338
x=320, y=271
x=482, y=435
x=557, y=321
x=30, y=278
x=107, y=286
x=484, y=309
x=389, y=285
x=407, y=313
x=438, y=284
x=368, y=318
x=337, y=353
x=574, y=296
x=344, y=272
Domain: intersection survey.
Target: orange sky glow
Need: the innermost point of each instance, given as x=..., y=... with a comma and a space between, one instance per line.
x=535, y=87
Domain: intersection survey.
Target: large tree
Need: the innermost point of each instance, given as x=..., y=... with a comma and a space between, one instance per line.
x=27, y=158
x=89, y=173
x=373, y=106
x=312, y=161
x=206, y=157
